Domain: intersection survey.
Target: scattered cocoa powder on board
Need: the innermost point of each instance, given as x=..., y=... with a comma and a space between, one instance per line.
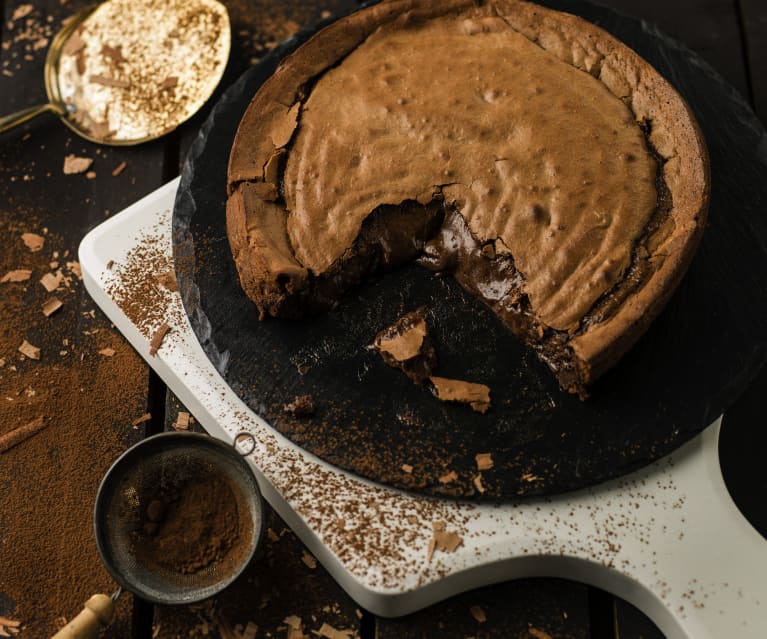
x=189, y=528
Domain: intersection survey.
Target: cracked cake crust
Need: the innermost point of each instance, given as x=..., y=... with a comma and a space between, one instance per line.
x=268, y=214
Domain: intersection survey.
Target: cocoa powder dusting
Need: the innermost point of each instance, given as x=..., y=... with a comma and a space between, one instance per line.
x=49, y=564
x=186, y=529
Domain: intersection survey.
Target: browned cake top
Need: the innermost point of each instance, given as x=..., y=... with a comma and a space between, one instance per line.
x=533, y=123
x=535, y=154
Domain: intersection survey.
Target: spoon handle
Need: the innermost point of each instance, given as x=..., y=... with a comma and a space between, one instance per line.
x=19, y=117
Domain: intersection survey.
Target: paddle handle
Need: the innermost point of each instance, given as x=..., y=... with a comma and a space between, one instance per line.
x=19, y=117
x=97, y=613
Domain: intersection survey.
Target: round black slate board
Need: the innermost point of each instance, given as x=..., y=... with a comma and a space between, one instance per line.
x=695, y=360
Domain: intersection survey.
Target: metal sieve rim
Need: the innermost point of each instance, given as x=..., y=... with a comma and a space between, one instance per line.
x=121, y=468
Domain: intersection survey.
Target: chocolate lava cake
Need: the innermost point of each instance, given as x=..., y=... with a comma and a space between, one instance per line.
x=545, y=165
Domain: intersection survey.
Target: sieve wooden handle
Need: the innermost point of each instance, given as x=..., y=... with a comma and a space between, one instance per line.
x=98, y=613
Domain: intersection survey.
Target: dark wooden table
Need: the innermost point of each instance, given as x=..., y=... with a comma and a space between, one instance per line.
x=48, y=562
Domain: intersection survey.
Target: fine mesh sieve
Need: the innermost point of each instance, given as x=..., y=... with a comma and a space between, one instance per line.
x=161, y=466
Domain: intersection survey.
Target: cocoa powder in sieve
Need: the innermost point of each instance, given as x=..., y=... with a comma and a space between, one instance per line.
x=192, y=527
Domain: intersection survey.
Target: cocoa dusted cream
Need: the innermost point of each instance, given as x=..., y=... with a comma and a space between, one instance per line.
x=540, y=161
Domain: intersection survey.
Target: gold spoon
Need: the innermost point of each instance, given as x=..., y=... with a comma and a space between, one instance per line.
x=129, y=71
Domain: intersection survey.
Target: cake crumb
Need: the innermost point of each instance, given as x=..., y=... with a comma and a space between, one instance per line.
x=301, y=406
x=32, y=352
x=119, y=168
x=309, y=560
x=17, y=275
x=407, y=345
x=484, y=461
x=477, y=396
x=478, y=483
x=74, y=164
x=33, y=241
x=538, y=634
x=157, y=339
x=107, y=352
x=407, y=468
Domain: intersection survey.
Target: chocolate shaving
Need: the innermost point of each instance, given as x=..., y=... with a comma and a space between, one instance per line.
x=74, y=164
x=294, y=627
x=107, y=352
x=73, y=45
x=329, y=632
x=109, y=82
x=51, y=281
x=484, y=461
x=309, y=560
x=183, y=419
x=18, y=275
x=478, y=614
x=144, y=418
x=168, y=280
x=15, y=437
x=101, y=131
x=22, y=11
x=33, y=241
x=119, y=168
x=443, y=539
x=157, y=338
x=114, y=53
x=407, y=468
x=51, y=306
x=32, y=352
x=448, y=477
x=538, y=634
x=169, y=83
x=478, y=483
x=80, y=61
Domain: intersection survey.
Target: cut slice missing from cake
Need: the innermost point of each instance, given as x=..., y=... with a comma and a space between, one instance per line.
x=547, y=167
